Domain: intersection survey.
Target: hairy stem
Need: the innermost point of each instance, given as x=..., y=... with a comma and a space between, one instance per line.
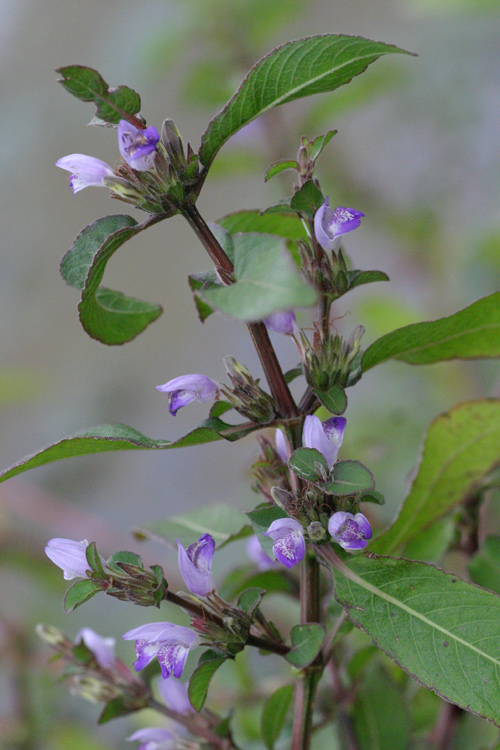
x=274, y=374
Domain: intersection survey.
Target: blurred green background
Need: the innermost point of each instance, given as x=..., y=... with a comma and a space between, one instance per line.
x=417, y=151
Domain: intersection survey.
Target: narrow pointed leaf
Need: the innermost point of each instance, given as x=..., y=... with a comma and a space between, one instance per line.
x=119, y=437
x=200, y=680
x=274, y=715
x=468, y=334
x=266, y=280
x=484, y=566
x=278, y=167
x=461, y=447
x=335, y=399
x=108, y=316
x=296, y=69
x=440, y=629
x=88, y=85
x=357, y=278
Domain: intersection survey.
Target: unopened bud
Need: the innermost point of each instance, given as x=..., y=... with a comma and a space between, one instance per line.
x=92, y=689
x=172, y=140
x=123, y=188
x=53, y=636
x=316, y=531
x=283, y=499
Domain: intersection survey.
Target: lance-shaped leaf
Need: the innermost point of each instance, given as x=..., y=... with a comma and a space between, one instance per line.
x=266, y=280
x=284, y=225
x=113, y=105
x=468, y=334
x=107, y=316
x=274, y=715
x=296, y=69
x=224, y=523
x=460, y=448
x=440, y=629
x=199, y=683
x=120, y=437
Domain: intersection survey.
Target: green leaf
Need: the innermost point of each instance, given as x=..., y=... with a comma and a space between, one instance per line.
x=278, y=167
x=307, y=199
x=250, y=599
x=124, y=556
x=108, y=316
x=266, y=280
x=284, y=225
x=78, y=593
x=317, y=146
x=306, y=643
x=431, y=544
x=224, y=523
x=115, y=708
x=296, y=69
x=461, y=447
x=119, y=437
x=335, y=399
x=372, y=497
x=484, y=566
x=296, y=372
x=380, y=717
x=198, y=282
x=309, y=464
x=94, y=560
x=200, y=680
x=468, y=334
x=349, y=478
x=274, y=715
x=88, y=85
x=440, y=629
x=357, y=278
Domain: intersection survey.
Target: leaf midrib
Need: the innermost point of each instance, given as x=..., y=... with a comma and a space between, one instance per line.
x=355, y=578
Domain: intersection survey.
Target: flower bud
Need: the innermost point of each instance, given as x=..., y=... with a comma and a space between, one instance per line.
x=195, y=564
x=315, y=531
x=246, y=395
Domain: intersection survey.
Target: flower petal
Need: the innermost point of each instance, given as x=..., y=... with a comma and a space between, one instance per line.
x=69, y=555
x=102, y=648
x=195, y=565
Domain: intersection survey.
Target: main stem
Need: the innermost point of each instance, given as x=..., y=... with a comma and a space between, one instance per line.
x=285, y=404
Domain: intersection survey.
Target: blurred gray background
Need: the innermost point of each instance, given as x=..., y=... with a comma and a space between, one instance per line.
x=417, y=151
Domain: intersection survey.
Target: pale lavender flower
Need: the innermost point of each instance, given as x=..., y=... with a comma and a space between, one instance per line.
x=195, y=564
x=170, y=643
x=69, y=556
x=175, y=695
x=154, y=738
x=102, y=648
x=326, y=437
x=330, y=225
x=85, y=171
x=187, y=388
x=258, y=555
x=289, y=546
x=282, y=322
x=281, y=445
x=351, y=532
x=137, y=147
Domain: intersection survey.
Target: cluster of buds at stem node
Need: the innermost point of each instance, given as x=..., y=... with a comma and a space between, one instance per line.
x=330, y=360
x=246, y=395
x=93, y=670
x=156, y=174
x=270, y=470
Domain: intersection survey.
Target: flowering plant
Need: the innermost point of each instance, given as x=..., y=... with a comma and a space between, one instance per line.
x=310, y=535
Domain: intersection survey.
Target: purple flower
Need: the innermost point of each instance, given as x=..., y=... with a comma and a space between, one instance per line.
x=154, y=738
x=256, y=553
x=69, y=556
x=195, y=564
x=137, y=147
x=330, y=225
x=282, y=322
x=187, y=388
x=170, y=643
x=289, y=545
x=281, y=445
x=175, y=695
x=85, y=170
x=326, y=437
x=102, y=648
x=351, y=532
